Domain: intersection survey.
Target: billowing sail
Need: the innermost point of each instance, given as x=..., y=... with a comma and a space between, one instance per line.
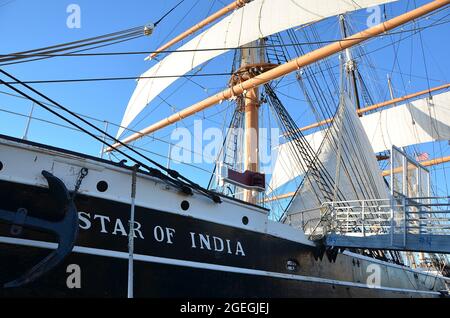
x=414, y=123
x=256, y=20
x=349, y=161
x=418, y=122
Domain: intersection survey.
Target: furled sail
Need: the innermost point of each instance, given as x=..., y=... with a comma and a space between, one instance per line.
x=256, y=20
x=418, y=122
x=348, y=158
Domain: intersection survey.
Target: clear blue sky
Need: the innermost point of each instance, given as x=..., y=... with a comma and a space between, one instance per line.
x=32, y=24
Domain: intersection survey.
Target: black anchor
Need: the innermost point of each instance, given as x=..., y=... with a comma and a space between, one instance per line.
x=66, y=230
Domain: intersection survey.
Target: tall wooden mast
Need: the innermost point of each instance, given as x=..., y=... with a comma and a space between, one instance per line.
x=252, y=64
x=249, y=57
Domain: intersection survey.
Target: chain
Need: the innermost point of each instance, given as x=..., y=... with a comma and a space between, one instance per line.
x=83, y=174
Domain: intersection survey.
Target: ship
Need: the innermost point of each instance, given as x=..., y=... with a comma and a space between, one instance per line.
x=77, y=225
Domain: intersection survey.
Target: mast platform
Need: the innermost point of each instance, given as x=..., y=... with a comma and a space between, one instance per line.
x=411, y=224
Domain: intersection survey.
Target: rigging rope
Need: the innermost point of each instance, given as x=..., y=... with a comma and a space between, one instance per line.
x=174, y=177
x=49, y=51
x=4, y=57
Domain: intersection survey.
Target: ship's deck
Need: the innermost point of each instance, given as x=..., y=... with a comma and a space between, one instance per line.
x=105, y=161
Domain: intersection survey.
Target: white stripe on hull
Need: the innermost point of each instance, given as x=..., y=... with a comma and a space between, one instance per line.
x=206, y=266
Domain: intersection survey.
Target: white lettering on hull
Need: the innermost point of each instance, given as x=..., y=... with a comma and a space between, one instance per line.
x=107, y=226
x=163, y=235
x=216, y=244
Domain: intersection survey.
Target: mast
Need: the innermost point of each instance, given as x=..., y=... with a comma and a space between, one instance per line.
x=252, y=64
x=391, y=89
x=350, y=66
x=287, y=68
x=250, y=57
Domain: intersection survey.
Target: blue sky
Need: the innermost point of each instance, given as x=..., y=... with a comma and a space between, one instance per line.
x=31, y=24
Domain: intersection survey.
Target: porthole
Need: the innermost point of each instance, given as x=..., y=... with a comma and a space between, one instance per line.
x=245, y=220
x=1, y=166
x=102, y=186
x=185, y=205
x=292, y=265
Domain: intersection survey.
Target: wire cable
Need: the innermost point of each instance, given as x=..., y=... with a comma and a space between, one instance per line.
x=48, y=51
x=75, y=54
x=173, y=177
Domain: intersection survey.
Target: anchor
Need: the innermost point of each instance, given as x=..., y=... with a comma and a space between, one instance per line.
x=66, y=230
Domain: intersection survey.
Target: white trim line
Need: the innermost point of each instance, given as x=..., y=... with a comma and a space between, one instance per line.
x=207, y=266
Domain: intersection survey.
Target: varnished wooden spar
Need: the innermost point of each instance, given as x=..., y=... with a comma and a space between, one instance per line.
x=404, y=98
x=380, y=105
x=288, y=68
x=279, y=197
x=233, y=6
x=429, y=163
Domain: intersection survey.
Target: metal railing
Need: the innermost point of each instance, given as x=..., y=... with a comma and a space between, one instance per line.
x=312, y=226
x=365, y=218
x=41, y=122
x=420, y=216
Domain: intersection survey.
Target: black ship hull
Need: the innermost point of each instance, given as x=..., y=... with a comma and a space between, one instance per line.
x=183, y=255
x=107, y=278
x=240, y=263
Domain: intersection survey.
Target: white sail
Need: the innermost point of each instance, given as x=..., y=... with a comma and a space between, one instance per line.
x=287, y=166
x=256, y=20
x=414, y=123
x=350, y=163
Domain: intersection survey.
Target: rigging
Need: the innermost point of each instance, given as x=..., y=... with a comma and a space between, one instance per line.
x=174, y=177
x=24, y=55
x=99, y=41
